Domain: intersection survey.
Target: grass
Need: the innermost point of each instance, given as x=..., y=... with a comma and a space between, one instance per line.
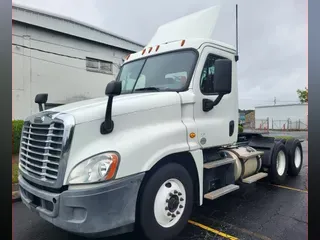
x=283, y=137
x=15, y=170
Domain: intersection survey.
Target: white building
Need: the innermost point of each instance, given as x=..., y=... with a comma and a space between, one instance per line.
x=291, y=116
x=67, y=59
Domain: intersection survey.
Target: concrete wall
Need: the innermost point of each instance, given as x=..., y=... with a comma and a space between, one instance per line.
x=282, y=116
x=64, y=79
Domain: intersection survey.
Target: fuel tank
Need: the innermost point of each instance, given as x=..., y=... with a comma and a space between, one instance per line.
x=247, y=161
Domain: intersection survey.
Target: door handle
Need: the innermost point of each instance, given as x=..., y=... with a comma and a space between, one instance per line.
x=207, y=105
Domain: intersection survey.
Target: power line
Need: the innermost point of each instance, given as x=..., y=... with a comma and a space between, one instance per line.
x=117, y=65
x=60, y=45
x=56, y=44
x=54, y=53
x=57, y=54
x=270, y=101
x=45, y=60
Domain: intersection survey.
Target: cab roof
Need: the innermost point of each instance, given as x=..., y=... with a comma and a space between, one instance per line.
x=191, y=31
x=195, y=43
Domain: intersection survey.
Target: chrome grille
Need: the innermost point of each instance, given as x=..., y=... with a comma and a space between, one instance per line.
x=41, y=150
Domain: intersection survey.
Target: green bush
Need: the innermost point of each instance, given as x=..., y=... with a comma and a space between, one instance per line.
x=16, y=135
x=15, y=172
x=240, y=129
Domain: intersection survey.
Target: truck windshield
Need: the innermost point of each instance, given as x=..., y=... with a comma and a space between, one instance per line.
x=166, y=72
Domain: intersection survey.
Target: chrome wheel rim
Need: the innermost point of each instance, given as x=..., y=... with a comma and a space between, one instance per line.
x=169, y=203
x=297, y=157
x=281, y=163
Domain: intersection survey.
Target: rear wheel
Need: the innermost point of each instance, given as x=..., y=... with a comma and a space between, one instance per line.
x=295, y=156
x=166, y=202
x=279, y=164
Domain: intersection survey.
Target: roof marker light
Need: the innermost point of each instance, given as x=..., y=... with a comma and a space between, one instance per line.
x=157, y=48
x=150, y=49
x=144, y=50
x=182, y=42
x=127, y=57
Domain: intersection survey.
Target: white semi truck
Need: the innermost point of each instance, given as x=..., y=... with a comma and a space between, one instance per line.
x=163, y=139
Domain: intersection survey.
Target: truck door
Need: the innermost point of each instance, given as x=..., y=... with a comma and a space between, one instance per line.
x=217, y=126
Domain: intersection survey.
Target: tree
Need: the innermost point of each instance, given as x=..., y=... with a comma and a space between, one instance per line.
x=303, y=95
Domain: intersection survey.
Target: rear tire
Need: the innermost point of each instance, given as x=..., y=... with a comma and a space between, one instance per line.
x=167, y=194
x=279, y=164
x=295, y=156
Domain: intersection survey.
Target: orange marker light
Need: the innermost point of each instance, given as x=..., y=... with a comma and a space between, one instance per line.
x=113, y=167
x=182, y=42
x=157, y=48
x=150, y=49
x=144, y=50
x=127, y=57
x=192, y=135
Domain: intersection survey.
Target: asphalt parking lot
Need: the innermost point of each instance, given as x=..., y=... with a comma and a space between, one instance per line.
x=259, y=211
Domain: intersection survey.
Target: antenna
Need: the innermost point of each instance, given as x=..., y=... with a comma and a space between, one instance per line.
x=237, y=47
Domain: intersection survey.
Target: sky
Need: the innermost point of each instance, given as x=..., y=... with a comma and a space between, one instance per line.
x=272, y=36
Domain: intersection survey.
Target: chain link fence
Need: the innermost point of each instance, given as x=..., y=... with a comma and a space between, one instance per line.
x=260, y=125
x=288, y=125
x=275, y=124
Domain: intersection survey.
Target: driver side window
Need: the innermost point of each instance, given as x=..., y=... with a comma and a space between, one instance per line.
x=207, y=76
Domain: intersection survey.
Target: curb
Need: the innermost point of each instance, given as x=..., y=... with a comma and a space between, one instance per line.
x=16, y=196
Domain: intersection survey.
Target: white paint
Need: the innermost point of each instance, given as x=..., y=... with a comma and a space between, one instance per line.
x=94, y=109
x=280, y=114
x=157, y=121
x=197, y=25
x=297, y=157
x=281, y=163
x=198, y=159
x=164, y=118
x=147, y=126
x=195, y=43
x=64, y=79
x=214, y=125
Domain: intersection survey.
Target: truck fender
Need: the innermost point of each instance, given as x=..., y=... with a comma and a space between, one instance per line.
x=198, y=160
x=192, y=161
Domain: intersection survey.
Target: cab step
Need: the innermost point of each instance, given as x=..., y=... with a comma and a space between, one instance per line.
x=221, y=191
x=255, y=177
x=218, y=163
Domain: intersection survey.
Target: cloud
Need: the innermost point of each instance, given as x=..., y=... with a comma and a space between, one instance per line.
x=272, y=36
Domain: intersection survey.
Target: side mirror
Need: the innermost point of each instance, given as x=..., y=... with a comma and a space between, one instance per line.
x=223, y=76
x=113, y=89
x=40, y=99
x=222, y=83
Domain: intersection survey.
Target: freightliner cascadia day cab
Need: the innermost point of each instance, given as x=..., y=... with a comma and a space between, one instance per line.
x=163, y=139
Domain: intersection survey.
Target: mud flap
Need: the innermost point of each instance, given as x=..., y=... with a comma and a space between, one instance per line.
x=265, y=144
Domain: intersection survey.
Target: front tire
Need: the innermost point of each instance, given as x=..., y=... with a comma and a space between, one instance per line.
x=166, y=202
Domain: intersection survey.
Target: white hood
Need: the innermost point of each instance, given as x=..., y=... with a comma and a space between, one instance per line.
x=94, y=109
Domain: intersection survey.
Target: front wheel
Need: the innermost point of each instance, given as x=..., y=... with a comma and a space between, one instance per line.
x=166, y=202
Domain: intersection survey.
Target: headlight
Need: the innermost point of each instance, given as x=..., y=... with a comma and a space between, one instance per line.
x=98, y=168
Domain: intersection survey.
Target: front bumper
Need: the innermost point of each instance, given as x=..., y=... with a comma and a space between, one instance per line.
x=99, y=211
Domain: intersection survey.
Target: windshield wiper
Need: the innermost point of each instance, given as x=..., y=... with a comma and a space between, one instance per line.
x=148, y=89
